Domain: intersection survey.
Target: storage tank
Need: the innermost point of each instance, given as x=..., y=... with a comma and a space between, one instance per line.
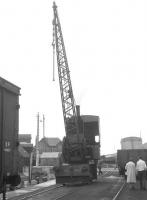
x=131, y=143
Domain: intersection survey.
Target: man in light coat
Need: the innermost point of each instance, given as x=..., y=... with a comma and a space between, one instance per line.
x=141, y=171
x=131, y=173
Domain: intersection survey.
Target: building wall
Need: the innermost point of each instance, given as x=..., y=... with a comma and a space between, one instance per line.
x=49, y=161
x=144, y=146
x=59, y=147
x=23, y=162
x=25, y=138
x=43, y=147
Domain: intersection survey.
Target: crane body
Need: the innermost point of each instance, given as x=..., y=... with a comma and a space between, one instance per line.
x=80, y=152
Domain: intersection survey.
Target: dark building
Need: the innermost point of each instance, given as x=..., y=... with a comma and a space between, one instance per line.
x=24, y=159
x=25, y=138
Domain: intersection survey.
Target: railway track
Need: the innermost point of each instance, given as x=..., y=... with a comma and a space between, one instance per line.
x=116, y=196
x=40, y=191
x=106, y=187
x=119, y=185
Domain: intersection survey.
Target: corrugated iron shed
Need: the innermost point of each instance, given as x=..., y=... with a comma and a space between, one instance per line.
x=50, y=155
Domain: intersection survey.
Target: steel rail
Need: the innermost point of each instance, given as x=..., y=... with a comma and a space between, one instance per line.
x=113, y=198
x=63, y=195
x=119, y=191
x=34, y=193
x=41, y=192
x=108, y=173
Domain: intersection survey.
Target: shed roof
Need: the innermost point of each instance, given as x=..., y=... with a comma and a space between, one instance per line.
x=50, y=155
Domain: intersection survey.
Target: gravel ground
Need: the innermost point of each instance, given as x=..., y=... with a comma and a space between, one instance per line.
x=136, y=194
x=104, y=189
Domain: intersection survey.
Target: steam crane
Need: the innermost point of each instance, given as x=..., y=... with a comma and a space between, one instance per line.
x=77, y=152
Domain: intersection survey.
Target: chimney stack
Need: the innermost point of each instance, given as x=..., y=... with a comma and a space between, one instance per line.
x=78, y=110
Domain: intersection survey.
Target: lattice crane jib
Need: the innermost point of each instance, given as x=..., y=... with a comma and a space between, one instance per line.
x=67, y=98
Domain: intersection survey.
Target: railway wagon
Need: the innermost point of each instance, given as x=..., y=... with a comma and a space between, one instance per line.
x=9, y=142
x=124, y=155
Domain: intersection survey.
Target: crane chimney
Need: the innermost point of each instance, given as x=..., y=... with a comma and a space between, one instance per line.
x=78, y=110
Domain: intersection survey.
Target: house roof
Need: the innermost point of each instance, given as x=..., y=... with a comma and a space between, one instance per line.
x=50, y=155
x=51, y=141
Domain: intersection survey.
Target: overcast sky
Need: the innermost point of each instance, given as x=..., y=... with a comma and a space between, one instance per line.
x=106, y=46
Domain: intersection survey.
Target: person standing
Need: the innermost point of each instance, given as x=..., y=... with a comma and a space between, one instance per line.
x=131, y=173
x=141, y=172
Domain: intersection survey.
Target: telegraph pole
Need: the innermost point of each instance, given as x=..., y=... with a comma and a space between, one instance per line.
x=37, y=142
x=43, y=126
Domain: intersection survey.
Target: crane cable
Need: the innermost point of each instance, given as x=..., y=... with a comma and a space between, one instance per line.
x=53, y=44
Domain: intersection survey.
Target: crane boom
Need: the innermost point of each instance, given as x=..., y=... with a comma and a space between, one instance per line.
x=67, y=98
x=79, y=149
